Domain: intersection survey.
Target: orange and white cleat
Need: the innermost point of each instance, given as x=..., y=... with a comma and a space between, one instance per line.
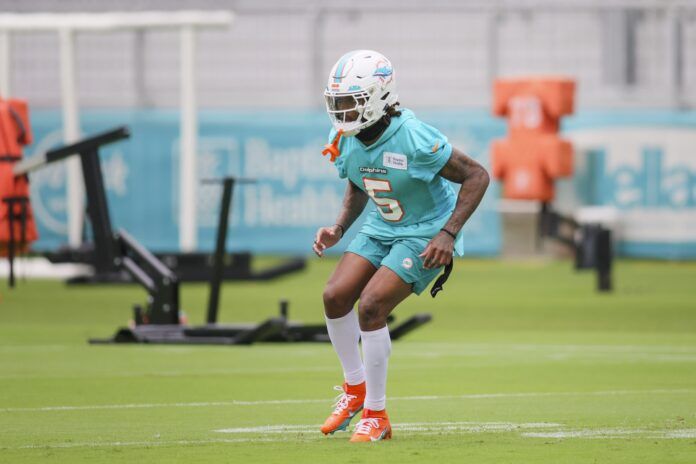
x=348, y=404
x=374, y=426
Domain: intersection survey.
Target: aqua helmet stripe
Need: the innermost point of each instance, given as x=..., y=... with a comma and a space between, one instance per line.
x=341, y=64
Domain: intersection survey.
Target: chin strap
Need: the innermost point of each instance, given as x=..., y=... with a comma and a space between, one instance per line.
x=332, y=148
x=440, y=282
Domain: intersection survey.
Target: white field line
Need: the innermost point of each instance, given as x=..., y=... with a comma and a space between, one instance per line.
x=415, y=349
x=191, y=373
x=614, y=433
x=418, y=350
x=550, y=430
x=25, y=348
x=471, y=359
x=289, y=433
x=512, y=347
x=408, y=346
x=472, y=427
x=512, y=352
x=472, y=396
x=398, y=365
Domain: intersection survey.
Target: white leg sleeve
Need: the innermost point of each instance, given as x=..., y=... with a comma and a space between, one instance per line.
x=344, y=333
x=376, y=346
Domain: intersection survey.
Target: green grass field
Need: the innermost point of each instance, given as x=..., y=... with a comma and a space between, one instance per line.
x=523, y=363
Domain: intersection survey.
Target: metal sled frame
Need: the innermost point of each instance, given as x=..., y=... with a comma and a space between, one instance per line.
x=277, y=329
x=590, y=242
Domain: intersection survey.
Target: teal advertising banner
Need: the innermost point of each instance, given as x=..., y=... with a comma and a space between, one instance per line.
x=297, y=189
x=643, y=163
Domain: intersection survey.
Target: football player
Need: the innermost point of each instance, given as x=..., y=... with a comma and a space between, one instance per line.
x=404, y=166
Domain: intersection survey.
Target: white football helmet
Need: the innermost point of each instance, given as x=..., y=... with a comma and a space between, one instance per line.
x=360, y=87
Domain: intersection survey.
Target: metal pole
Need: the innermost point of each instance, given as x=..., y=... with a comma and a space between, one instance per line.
x=5, y=59
x=219, y=258
x=317, y=82
x=603, y=259
x=139, y=63
x=189, y=127
x=492, y=65
x=71, y=133
x=674, y=53
x=543, y=230
x=11, y=244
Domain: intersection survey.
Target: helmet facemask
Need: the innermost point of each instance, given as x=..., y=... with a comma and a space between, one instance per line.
x=353, y=111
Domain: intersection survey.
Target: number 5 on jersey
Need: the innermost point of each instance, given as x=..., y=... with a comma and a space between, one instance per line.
x=389, y=208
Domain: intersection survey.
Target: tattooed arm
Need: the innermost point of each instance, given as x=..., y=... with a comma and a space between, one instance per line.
x=474, y=180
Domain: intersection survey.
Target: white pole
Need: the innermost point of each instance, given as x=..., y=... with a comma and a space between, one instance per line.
x=674, y=42
x=71, y=133
x=189, y=130
x=493, y=50
x=5, y=59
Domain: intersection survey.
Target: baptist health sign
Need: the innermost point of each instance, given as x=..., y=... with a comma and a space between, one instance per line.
x=648, y=173
x=645, y=166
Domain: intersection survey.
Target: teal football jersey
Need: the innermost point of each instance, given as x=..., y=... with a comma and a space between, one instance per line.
x=399, y=172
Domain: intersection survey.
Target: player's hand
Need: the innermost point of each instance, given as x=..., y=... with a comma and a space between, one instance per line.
x=438, y=252
x=326, y=238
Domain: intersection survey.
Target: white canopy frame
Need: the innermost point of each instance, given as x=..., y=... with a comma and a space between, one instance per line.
x=67, y=25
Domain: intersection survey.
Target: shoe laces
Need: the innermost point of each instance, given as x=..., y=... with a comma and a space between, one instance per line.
x=365, y=426
x=342, y=400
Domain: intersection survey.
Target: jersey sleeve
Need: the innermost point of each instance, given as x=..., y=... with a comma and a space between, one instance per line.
x=430, y=151
x=340, y=162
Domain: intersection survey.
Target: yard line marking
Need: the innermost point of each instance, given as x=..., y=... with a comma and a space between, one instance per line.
x=541, y=394
x=397, y=365
x=614, y=433
x=25, y=348
x=507, y=347
x=407, y=426
x=541, y=353
x=681, y=433
x=163, y=405
x=400, y=365
x=470, y=396
x=231, y=371
x=427, y=428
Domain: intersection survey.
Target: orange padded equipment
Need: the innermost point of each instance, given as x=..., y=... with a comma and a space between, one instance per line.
x=532, y=156
x=15, y=132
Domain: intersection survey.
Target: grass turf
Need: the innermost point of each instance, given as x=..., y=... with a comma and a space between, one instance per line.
x=523, y=362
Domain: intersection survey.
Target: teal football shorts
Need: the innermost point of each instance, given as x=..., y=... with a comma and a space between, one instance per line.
x=398, y=254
